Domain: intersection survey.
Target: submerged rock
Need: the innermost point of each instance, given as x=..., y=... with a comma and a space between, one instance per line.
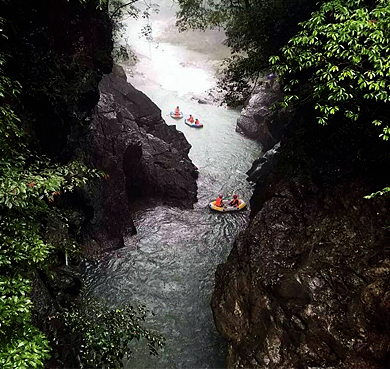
x=213, y=96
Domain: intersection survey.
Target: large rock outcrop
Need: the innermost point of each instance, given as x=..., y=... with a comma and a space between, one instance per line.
x=258, y=121
x=307, y=283
x=143, y=158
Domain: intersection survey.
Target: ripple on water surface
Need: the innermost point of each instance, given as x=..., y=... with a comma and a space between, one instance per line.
x=170, y=264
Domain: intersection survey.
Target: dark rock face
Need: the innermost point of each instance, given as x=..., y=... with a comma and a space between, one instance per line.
x=307, y=284
x=264, y=165
x=61, y=50
x=142, y=156
x=258, y=122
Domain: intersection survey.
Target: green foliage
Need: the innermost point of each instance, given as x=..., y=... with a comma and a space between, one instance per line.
x=27, y=192
x=384, y=191
x=108, y=331
x=29, y=186
x=26, y=350
x=340, y=61
x=255, y=30
x=22, y=345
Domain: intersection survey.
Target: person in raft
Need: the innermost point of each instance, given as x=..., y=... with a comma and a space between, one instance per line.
x=235, y=202
x=177, y=111
x=197, y=121
x=219, y=201
x=191, y=119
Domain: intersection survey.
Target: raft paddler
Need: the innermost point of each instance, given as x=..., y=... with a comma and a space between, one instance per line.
x=235, y=202
x=219, y=201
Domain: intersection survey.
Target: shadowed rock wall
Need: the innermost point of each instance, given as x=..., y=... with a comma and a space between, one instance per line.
x=307, y=283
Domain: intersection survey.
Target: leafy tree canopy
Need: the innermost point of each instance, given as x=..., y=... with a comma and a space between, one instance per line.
x=340, y=61
x=107, y=332
x=33, y=230
x=255, y=30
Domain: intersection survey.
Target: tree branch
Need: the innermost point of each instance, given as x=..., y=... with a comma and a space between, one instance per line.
x=121, y=7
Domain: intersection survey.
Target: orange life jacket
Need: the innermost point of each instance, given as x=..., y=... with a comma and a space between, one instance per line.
x=219, y=202
x=177, y=111
x=197, y=121
x=191, y=119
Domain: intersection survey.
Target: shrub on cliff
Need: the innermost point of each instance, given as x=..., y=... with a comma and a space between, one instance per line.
x=339, y=62
x=255, y=30
x=29, y=185
x=107, y=332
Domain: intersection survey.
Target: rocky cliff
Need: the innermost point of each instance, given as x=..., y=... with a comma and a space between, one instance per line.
x=143, y=158
x=137, y=165
x=307, y=283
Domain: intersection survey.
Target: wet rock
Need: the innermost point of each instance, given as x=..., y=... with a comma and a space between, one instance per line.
x=140, y=109
x=264, y=165
x=306, y=284
x=141, y=156
x=258, y=122
x=303, y=286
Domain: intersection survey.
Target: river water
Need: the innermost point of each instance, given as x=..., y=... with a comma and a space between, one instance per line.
x=170, y=264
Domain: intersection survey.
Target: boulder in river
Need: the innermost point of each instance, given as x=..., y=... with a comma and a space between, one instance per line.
x=264, y=165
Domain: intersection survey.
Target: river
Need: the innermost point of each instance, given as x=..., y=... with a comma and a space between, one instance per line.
x=170, y=264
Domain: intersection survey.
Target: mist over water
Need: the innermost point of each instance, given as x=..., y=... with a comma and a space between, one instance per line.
x=170, y=264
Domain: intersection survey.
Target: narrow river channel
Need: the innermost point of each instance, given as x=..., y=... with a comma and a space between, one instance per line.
x=170, y=264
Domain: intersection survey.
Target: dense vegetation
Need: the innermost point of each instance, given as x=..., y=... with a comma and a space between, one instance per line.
x=336, y=60
x=107, y=332
x=255, y=30
x=52, y=57
x=337, y=68
x=340, y=62
x=29, y=185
